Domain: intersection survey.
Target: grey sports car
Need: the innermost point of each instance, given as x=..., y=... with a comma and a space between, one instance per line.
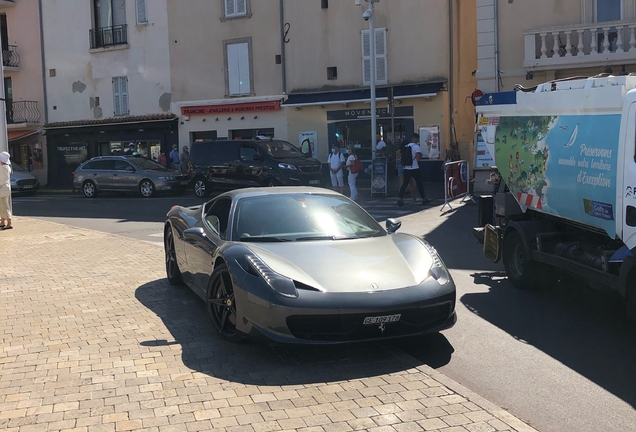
x=306, y=265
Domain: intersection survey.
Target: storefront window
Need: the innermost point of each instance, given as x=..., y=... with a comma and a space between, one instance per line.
x=252, y=133
x=358, y=134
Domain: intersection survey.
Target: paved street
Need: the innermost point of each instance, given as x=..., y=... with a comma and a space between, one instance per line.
x=93, y=338
x=560, y=359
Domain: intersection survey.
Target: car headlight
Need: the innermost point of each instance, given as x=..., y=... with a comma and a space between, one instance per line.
x=166, y=178
x=287, y=166
x=279, y=283
x=438, y=270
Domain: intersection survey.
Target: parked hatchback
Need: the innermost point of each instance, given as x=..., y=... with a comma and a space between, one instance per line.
x=248, y=163
x=127, y=174
x=22, y=181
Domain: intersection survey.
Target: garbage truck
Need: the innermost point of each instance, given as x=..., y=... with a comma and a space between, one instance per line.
x=564, y=189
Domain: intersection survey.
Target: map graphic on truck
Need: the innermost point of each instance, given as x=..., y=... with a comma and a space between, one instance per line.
x=562, y=165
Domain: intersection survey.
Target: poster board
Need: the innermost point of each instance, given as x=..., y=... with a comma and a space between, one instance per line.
x=308, y=143
x=430, y=142
x=379, y=176
x=483, y=159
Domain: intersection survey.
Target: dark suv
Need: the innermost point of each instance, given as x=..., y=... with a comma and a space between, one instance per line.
x=248, y=163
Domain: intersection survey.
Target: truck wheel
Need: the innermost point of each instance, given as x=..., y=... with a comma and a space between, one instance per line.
x=631, y=298
x=521, y=271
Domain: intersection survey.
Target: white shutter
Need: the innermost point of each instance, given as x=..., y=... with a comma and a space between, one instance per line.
x=233, y=69
x=243, y=67
x=125, y=109
x=116, y=97
x=230, y=10
x=381, y=76
x=142, y=12
x=241, y=7
x=366, y=58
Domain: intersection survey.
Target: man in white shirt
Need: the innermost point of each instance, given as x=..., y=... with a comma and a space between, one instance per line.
x=336, y=163
x=412, y=171
x=380, y=143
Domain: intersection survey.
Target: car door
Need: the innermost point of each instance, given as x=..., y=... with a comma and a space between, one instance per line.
x=250, y=169
x=629, y=183
x=125, y=176
x=224, y=160
x=202, y=241
x=101, y=173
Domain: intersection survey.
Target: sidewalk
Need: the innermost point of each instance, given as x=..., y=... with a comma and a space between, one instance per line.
x=93, y=338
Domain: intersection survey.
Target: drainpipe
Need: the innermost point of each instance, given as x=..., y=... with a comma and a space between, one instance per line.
x=282, y=45
x=496, y=7
x=451, y=75
x=46, y=105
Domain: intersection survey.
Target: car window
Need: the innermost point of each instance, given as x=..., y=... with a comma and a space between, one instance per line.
x=122, y=165
x=147, y=164
x=100, y=165
x=212, y=152
x=221, y=210
x=247, y=152
x=301, y=217
x=281, y=149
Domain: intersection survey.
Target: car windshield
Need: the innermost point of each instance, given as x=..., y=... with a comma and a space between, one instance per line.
x=147, y=164
x=16, y=167
x=301, y=217
x=281, y=149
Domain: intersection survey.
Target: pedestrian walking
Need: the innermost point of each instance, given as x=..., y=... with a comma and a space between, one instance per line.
x=185, y=159
x=174, y=157
x=400, y=171
x=413, y=153
x=353, y=176
x=5, y=191
x=336, y=163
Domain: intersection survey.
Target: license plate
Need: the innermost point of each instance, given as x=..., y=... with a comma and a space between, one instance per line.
x=183, y=182
x=382, y=319
x=27, y=187
x=313, y=182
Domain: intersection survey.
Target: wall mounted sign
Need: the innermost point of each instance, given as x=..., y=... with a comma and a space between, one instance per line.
x=242, y=108
x=365, y=113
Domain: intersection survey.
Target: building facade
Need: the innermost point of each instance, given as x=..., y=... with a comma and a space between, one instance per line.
x=558, y=39
x=23, y=84
x=300, y=70
x=107, y=79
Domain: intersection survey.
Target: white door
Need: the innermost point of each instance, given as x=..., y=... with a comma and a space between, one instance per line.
x=629, y=183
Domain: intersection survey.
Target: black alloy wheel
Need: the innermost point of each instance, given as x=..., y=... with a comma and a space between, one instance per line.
x=172, y=267
x=220, y=304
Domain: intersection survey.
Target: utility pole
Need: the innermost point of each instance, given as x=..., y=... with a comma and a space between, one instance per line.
x=4, y=139
x=373, y=72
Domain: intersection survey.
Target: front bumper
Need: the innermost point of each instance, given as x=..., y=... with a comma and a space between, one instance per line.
x=300, y=178
x=329, y=318
x=25, y=187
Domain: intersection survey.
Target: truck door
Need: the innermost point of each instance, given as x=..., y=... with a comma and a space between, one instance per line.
x=629, y=183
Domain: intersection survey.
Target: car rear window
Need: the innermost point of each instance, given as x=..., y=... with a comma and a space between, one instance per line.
x=210, y=152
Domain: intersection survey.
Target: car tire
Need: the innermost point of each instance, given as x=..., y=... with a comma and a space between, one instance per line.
x=270, y=182
x=201, y=188
x=89, y=189
x=631, y=298
x=146, y=188
x=173, y=273
x=520, y=269
x=221, y=306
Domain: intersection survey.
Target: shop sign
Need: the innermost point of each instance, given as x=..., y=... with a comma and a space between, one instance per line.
x=73, y=154
x=379, y=176
x=242, y=108
x=365, y=113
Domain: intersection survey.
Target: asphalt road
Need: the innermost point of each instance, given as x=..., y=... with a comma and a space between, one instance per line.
x=562, y=358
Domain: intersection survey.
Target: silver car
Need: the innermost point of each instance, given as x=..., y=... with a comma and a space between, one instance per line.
x=127, y=174
x=22, y=181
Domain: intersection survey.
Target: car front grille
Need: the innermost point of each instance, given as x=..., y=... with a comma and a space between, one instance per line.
x=309, y=168
x=181, y=177
x=349, y=327
x=27, y=182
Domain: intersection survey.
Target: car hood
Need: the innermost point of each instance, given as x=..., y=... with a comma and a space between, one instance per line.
x=22, y=175
x=360, y=265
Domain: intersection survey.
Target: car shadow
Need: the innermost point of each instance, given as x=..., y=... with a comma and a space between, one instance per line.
x=584, y=329
x=256, y=363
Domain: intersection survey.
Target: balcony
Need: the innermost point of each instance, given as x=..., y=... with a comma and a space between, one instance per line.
x=6, y=3
x=10, y=57
x=585, y=45
x=22, y=112
x=108, y=36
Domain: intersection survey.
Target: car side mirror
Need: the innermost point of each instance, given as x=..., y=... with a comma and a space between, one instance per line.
x=194, y=234
x=130, y=169
x=392, y=225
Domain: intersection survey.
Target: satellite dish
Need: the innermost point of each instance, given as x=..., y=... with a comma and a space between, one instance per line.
x=475, y=96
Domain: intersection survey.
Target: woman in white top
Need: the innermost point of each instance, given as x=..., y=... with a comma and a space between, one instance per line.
x=5, y=191
x=352, y=176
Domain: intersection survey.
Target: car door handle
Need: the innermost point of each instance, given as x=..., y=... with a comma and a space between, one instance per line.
x=630, y=216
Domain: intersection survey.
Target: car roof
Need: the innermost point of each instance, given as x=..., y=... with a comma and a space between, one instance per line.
x=115, y=157
x=277, y=190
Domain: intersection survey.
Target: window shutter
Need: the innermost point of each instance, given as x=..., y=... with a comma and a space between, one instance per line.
x=142, y=13
x=366, y=58
x=241, y=7
x=232, y=70
x=380, y=56
x=116, y=97
x=243, y=57
x=124, y=96
x=229, y=8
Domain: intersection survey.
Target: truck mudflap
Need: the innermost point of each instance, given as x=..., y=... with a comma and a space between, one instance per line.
x=492, y=242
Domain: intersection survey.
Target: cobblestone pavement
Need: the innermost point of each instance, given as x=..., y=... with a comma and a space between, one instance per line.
x=93, y=338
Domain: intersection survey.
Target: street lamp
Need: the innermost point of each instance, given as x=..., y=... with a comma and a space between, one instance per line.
x=368, y=15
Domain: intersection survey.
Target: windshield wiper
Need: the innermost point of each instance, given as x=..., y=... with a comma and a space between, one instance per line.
x=324, y=237
x=264, y=239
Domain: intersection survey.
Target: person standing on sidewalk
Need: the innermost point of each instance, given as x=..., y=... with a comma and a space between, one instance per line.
x=412, y=171
x=185, y=159
x=174, y=157
x=336, y=163
x=352, y=176
x=5, y=191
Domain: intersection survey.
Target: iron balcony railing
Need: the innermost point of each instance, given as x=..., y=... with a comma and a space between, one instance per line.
x=10, y=56
x=109, y=36
x=22, y=112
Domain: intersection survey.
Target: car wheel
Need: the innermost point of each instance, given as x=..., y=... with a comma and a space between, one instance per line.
x=146, y=188
x=89, y=189
x=631, y=298
x=220, y=304
x=172, y=267
x=520, y=269
x=270, y=183
x=201, y=188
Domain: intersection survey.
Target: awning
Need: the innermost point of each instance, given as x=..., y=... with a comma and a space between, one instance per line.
x=363, y=95
x=16, y=135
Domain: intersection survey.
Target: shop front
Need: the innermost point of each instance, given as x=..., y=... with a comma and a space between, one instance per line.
x=26, y=147
x=72, y=143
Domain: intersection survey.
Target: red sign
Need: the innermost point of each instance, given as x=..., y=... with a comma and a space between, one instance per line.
x=231, y=108
x=456, y=179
